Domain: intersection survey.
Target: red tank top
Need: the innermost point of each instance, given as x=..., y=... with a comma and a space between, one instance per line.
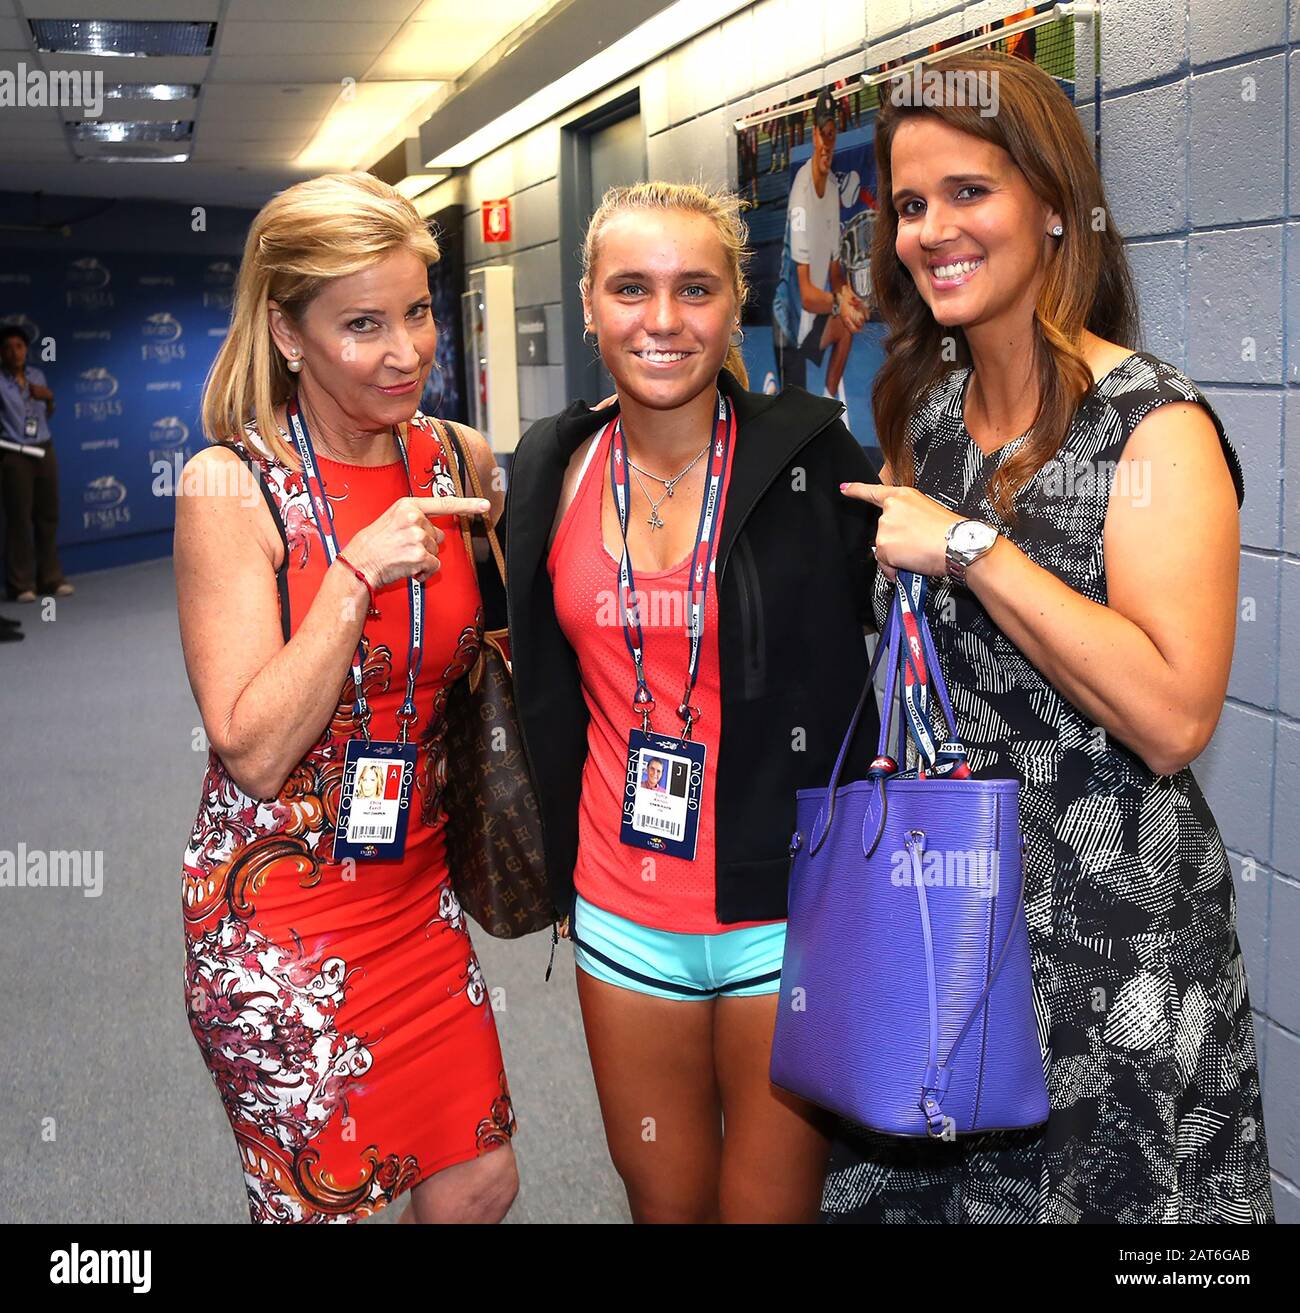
x=653, y=889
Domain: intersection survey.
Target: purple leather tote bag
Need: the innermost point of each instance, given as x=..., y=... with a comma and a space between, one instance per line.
x=907, y=1003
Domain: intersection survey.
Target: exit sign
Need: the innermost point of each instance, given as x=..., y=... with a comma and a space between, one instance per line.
x=496, y=220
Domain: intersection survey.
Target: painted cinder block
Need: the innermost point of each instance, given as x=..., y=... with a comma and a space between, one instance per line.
x=1236, y=775
x=1238, y=144
x=1223, y=29
x=1159, y=278
x=1252, y=418
x=1142, y=43
x=1234, y=305
x=1136, y=129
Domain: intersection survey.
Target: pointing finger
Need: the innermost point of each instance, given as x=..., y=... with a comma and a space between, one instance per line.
x=875, y=493
x=452, y=505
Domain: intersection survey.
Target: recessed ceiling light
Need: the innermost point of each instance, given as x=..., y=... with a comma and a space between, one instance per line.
x=92, y=130
x=150, y=91
x=142, y=157
x=95, y=36
x=416, y=184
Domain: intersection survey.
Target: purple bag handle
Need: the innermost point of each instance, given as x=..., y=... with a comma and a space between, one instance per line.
x=890, y=641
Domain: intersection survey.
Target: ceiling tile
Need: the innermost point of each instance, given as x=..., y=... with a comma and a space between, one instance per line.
x=442, y=50
x=177, y=11
x=321, y=11
x=14, y=35
x=358, y=39
x=161, y=68
x=291, y=68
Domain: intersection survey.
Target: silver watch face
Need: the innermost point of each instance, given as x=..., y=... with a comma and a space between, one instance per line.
x=973, y=536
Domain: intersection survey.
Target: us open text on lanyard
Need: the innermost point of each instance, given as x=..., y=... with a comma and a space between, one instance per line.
x=665, y=773
x=374, y=803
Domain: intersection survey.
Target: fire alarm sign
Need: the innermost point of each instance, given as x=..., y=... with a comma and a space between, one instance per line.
x=496, y=220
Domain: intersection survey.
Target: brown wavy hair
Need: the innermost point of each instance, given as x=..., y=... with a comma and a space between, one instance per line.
x=1087, y=286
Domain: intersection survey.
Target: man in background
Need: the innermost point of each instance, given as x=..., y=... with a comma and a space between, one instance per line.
x=30, y=474
x=816, y=303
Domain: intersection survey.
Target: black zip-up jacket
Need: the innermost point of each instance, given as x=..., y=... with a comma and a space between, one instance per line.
x=794, y=576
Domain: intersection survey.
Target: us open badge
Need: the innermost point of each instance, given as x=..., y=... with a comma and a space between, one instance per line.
x=661, y=795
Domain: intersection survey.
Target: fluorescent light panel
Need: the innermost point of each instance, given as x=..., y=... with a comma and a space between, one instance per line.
x=94, y=130
x=416, y=184
x=150, y=91
x=668, y=28
x=369, y=111
x=142, y=158
x=95, y=36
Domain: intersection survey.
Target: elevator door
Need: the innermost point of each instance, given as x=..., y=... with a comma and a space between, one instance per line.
x=610, y=152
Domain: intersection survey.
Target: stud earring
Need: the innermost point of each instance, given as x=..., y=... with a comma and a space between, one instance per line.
x=295, y=365
x=1057, y=230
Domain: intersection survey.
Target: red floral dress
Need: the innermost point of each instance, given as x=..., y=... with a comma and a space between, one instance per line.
x=339, y=1006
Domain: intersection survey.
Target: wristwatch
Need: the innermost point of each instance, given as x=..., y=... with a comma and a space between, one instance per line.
x=966, y=542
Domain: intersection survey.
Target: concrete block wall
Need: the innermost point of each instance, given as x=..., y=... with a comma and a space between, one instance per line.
x=1200, y=123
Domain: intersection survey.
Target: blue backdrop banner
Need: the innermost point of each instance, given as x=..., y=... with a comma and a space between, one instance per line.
x=125, y=341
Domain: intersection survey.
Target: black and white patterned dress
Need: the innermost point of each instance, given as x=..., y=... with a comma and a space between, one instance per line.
x=1138, y=975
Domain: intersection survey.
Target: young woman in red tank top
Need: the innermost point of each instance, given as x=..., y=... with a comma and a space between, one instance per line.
x=679, y=937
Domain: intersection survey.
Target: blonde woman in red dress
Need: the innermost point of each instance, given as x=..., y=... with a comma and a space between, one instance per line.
x=327, y=605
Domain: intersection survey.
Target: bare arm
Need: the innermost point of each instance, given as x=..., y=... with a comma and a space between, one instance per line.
x=1151, y=667
x=816, y=300
x=265, y=702
x=489, y=472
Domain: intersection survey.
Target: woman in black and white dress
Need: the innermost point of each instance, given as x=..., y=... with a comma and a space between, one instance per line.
x=1079, y=500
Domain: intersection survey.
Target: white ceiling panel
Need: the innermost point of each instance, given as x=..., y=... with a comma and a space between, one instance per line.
x=298, y=39
x=162, y=68
x=14, y=35
x=292, y=135
x=241, y=152
x=177, y=11
x=440, y=50
x=137, y=111
x=503, y=15
x=290, y=68
x=306, y=12
x=298, y=99
x=268, y=91
x=32, y=125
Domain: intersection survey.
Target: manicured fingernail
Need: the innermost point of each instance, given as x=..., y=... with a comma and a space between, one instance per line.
x=843, y=486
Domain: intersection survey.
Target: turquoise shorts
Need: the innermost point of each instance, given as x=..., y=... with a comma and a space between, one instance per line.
x=670, y=965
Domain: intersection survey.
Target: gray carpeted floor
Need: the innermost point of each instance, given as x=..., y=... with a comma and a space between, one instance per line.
x=107, y=1113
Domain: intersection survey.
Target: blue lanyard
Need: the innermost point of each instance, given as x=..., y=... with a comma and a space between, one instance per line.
x=323, y=517
x=910, y=592
x=698, y=579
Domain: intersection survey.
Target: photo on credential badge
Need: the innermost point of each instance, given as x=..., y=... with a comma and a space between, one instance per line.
x=807, y=170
